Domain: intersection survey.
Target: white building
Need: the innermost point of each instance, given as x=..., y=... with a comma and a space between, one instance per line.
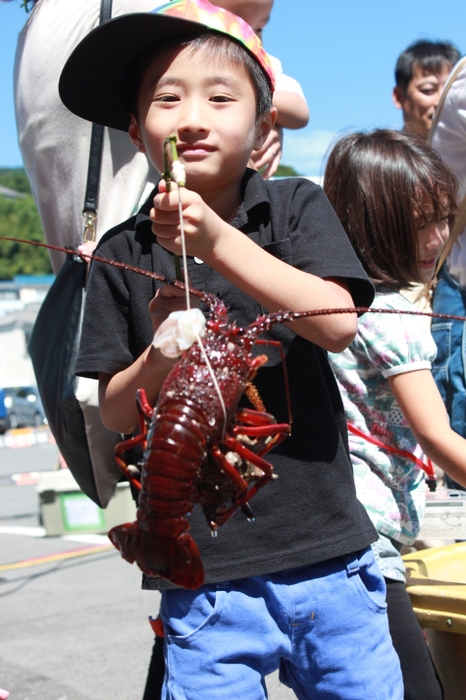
x=20, y=302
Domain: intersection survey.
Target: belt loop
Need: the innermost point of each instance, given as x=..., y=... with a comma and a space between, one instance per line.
x=351, y=563
x=222, y=585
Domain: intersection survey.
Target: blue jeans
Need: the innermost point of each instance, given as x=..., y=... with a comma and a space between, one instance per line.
x=325, y=626
x=449, y=365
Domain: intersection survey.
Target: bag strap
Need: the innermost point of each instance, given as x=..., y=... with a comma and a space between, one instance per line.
x=95, y=156
x=426, y=466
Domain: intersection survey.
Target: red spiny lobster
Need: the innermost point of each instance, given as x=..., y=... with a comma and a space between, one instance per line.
x=196, y=450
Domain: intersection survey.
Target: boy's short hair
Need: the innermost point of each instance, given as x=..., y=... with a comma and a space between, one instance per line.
x=430, y=56
x=385, y=185
x=92, y=79
x=216, y=46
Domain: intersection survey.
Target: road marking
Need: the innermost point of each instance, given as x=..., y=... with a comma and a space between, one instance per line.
x=60, y=556
x=41, y=532
x=95, y=544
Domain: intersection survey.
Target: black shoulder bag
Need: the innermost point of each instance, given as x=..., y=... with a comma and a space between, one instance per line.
x=71, y=404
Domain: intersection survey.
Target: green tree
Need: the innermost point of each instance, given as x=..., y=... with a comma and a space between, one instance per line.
x=15, y=179
x=19, y=218
x=286, y=171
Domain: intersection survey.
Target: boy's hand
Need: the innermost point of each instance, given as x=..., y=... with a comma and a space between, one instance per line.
x=166, y=300
x=86, y=249
x=201, y=224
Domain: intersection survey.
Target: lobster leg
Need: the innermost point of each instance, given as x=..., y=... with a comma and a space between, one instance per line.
x=127, y=469
x=229, y=469
x=245, y=494
x=254, y=459
x=145, y=415
x=260, y=424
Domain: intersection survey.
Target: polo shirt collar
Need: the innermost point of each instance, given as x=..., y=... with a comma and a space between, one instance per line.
x=254, y=192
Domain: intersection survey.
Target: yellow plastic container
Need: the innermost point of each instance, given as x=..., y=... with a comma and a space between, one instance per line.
x=436, y=583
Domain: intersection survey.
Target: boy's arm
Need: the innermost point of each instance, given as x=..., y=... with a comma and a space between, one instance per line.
x=117, y=391
x=274, y=284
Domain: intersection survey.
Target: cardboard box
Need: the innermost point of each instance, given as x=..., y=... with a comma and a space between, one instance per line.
x=66, y=510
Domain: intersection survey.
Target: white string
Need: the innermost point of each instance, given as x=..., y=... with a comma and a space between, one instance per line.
x=198, y=337
x=216, y=384
x=183, y=250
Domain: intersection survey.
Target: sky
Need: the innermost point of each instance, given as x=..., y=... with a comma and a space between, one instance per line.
x=342, y=52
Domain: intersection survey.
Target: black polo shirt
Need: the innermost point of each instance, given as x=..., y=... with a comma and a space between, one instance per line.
x=310, y=513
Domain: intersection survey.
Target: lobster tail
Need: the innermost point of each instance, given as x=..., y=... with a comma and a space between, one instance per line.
x=174, y=558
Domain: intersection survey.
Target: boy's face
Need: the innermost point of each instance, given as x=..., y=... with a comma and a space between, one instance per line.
x=255, y=12
x=420, y=99
x=210, y=105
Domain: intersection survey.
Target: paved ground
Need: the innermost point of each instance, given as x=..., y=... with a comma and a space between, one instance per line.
x=70, y=628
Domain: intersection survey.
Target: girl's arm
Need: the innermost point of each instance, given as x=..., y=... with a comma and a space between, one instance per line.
x=422, y=406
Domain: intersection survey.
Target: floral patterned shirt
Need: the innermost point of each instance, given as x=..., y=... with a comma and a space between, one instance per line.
x=391, y=487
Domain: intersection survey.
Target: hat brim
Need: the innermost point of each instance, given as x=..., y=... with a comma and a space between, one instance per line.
x=90, y=83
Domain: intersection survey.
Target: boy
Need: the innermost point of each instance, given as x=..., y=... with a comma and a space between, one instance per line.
x=298, y=589
x=420, y=74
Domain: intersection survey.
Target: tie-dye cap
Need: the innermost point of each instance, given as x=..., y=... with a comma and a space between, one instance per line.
x=91, y=81
x=220, y=20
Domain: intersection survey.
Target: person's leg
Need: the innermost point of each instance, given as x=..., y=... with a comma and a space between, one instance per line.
x=327, y=623
x=419, y=676
x=221, y=641
x=154, y=682
x=341, y=645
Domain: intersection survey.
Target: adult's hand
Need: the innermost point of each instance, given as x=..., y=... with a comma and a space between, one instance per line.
x=269, y=156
